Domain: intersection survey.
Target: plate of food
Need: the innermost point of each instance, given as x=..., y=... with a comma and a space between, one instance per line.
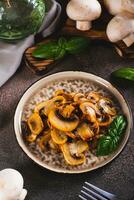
x=72, y=122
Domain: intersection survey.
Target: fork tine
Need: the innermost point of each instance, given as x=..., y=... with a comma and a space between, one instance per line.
x=95, y=194
x=83, y=198
x=100, y=191
x=88, y=195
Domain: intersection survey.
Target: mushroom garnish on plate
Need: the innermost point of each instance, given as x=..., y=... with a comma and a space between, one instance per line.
x=50, y=104
x=85, y=132
x=73, y=153
x=59, y=137
x=107, y=107
x=62, y=123
x=35, y=123
x=68, y=122
x=83, y=12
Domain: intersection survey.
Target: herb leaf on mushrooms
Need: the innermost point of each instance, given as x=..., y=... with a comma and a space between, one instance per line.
x=107, y=144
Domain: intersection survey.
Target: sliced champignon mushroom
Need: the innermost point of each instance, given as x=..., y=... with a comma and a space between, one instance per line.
x=67, y=110
x=66, y=95
x=31, y=138
x=40, y=106
x=104, y=120
x=53, y=145
x=59, y=137
x=85, y=132
x=93, y=96
x=88, y=109
x=96, y=128
x=50, y=104
x=121, y=27
x=71, y=159
x=95, y=107
x=44, y=139
x=71, y=135
x=59, y=92
x=78, y=147
x=35, y=123
x=61, y=123
x=107, y=107
x=83, y=12
x=79, y=98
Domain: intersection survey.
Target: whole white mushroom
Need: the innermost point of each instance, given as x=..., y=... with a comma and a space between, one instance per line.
x=121, y=27
x=11, y=185
x=83, y=12
x=117, y=6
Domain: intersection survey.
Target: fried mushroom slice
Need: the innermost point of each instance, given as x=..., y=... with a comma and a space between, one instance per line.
x=44, y=140
x=31, y=138
x=93, y=96
x=85, y=132
x=78, y=147
x=53, y=145
x=35, y=124
x=50, y=104
x=59, y=137
x=67, y=110
x=88, y=110
x=106, y=105
x=104, y=120
x=62, y=123
x=71, y=159
x=79, y=98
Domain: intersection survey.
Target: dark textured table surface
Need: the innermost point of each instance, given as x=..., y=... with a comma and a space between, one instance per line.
x=117, y=177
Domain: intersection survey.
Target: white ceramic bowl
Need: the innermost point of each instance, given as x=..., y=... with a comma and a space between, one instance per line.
x=60, y=78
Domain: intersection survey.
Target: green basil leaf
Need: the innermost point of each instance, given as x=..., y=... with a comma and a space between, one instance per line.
x=76, y=44
x=125, y=73
x=47, y=51
x=108, y=143
x=60, y=54
x=62, y=42
x=103, y=146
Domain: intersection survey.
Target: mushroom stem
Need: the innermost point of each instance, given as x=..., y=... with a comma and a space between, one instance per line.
x=23, y=194
x=129, y=40
x=83, y=25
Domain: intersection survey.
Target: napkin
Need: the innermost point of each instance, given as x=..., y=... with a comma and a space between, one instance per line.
x=11, y=53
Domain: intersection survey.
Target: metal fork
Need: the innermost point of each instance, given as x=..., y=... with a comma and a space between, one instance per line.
x=91, y=192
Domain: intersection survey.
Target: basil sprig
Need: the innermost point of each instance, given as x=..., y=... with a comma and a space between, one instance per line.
x=58, y=49
x=108, y=143
x=125, y=73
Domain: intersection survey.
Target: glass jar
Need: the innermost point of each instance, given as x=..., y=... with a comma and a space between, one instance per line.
x=20, y=18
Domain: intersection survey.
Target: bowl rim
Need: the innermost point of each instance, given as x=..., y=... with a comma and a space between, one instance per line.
x=54, y=77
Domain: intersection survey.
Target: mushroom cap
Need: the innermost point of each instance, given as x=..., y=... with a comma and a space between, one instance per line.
x=10, y=189
x=83, y=10
x=113, y=6
x=128, y=6
x=118, y=6
x=120, y=27
x=71, y=160
x=61, y=123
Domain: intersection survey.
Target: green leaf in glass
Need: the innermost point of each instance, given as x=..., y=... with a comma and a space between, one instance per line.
x=20, y=18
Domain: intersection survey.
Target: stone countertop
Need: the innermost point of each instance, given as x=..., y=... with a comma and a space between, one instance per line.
x=116, y=177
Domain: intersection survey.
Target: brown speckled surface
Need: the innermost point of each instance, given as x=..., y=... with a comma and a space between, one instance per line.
x=117, y=177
